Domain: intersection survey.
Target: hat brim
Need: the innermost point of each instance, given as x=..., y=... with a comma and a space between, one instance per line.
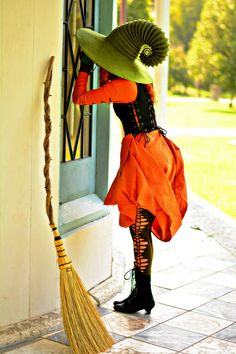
x=98, y=48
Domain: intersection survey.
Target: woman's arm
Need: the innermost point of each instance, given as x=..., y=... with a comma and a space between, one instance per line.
x=117, y=91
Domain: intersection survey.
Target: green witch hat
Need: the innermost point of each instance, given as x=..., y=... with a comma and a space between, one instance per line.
x=128, y=50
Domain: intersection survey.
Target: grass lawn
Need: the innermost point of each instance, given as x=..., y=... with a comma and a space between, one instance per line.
x=200, y=115
x=210, y=162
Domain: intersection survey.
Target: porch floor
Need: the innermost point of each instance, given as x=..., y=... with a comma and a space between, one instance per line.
x=194, y=285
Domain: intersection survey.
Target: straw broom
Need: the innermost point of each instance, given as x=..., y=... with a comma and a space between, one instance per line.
x=85, y=331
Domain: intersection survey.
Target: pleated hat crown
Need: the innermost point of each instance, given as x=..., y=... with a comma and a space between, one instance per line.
x=141, y=39
x=128, y=50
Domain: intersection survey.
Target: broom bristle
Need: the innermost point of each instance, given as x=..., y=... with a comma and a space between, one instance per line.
x=85, y=330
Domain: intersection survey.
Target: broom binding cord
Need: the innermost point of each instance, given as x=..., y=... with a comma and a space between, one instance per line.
x=85, y=331
x=63, y=260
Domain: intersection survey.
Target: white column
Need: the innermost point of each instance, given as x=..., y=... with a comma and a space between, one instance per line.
x=162, y=11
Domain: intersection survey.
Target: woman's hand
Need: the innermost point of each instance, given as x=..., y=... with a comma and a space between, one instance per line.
x=86, y=64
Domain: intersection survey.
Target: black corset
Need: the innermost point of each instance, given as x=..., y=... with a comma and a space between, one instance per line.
x=145, y=114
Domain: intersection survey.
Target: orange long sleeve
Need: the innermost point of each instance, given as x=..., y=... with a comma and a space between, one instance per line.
x=117, y=91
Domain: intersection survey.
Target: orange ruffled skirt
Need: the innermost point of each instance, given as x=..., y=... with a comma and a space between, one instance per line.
x=151, y=176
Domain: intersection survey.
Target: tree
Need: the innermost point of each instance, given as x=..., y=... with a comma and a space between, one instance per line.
x=178, y=69
x=184, y=15
x=139, y=9
x=212, y=53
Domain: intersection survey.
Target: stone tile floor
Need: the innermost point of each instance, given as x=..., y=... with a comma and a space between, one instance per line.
x=194, y=284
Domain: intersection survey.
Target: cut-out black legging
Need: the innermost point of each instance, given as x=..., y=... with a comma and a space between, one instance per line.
x=142, y=240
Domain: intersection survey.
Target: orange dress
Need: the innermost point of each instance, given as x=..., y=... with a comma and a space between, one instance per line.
x=151, y=173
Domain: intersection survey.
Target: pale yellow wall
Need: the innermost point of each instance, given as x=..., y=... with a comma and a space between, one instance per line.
x=30, y=32
x=90, y=251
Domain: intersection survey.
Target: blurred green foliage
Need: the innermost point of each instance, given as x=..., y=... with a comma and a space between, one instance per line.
x=138, y=9
x=184, y=15
x=212, y=53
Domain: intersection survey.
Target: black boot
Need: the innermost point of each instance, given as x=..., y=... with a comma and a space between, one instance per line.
x=141, y=297
x=132, y=278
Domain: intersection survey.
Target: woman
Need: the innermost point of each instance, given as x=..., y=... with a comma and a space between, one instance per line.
x=149, y=188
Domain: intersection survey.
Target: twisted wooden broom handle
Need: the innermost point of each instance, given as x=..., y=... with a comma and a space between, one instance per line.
x=46, y=143
x=63, y=260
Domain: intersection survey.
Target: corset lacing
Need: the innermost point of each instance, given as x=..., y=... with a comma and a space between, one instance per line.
x=138, y=117
x=146, y=137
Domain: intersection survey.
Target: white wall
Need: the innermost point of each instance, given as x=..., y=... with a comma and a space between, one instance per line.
x=29, y=36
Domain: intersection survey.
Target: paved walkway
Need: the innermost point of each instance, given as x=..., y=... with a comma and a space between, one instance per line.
x=206, y=132
x=194, y=284
x=225, y=101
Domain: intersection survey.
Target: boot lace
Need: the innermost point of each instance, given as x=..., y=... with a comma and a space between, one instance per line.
x=130, y=275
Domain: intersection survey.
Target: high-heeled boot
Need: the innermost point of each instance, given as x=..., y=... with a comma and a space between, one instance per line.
x=130, y=277
x=141, y=297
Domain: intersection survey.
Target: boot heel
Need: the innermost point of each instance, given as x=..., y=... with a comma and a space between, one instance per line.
x=148, y=311
x=149, y=308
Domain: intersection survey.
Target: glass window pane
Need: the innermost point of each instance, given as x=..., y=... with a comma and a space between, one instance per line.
x=76, y=128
